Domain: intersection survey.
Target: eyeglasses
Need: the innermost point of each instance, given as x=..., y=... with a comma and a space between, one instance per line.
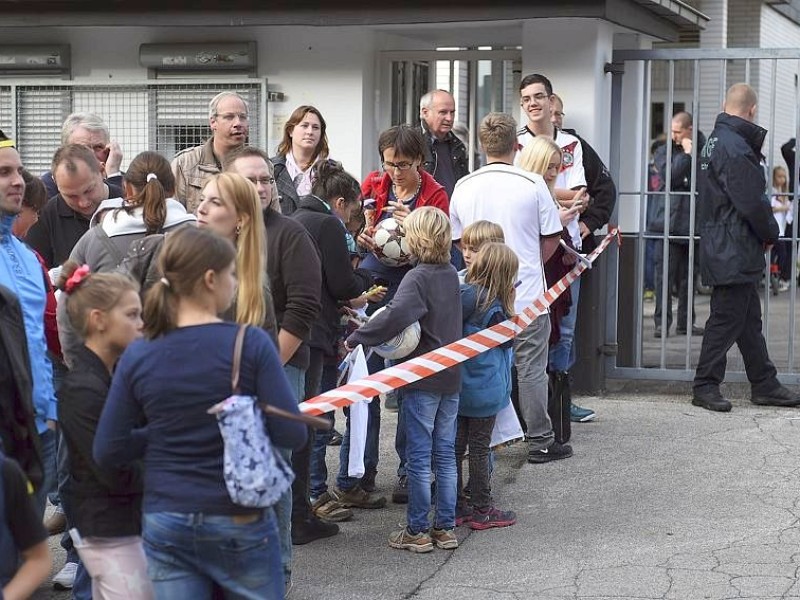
x=402, y=166
x=538, y=98
x=262, y=180
x=232, y=116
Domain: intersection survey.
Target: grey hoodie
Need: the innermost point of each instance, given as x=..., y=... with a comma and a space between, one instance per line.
x=121, y=229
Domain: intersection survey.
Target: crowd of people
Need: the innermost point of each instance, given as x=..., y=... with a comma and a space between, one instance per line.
x=132, y=303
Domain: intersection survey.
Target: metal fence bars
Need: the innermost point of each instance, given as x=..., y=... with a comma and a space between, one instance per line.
x=648, y=87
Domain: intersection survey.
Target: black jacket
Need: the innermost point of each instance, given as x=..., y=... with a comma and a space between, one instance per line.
x=340, y=281
x=788, y=152
x=735, y=215
x=294, y=273
x=601, y=188
x=287, y=192
x=19, y=437
x=457, y=156
x=681, y=181
x=103, y=503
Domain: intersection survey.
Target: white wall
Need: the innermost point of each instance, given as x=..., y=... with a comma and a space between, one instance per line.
x=572, y=54
x=634, y=135
x=331, y=68
x=778, y=32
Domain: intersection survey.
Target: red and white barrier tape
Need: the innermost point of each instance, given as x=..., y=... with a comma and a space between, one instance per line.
x=448, y=356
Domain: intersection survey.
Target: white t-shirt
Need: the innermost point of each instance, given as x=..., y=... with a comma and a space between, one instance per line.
x=571, y=175
x=521, y=204
x=783, y=218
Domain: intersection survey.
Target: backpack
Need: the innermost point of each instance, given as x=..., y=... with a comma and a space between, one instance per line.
x=140, y=262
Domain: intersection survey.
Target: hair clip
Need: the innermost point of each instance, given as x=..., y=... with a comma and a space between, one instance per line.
x=7, y=144
x=80, y=274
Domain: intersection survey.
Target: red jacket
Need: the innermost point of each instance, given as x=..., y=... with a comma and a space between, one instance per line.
x=50, y=327
x=377, y=185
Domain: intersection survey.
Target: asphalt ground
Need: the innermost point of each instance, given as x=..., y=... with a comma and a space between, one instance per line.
x=661, y=500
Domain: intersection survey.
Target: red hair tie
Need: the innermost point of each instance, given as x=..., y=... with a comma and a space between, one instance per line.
x=80, y=274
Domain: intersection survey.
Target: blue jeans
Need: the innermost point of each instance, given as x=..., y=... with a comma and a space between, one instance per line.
x=47, y=439
x=187, y=553
x=319, y=468
x=430, y=421
x=562, y=355
x=283, y=508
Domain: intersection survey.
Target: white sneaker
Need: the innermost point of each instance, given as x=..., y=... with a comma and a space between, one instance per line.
x=65, y=578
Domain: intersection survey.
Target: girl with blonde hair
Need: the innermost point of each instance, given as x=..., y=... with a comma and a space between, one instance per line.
x=487, y=298
x=230, y=206
x=195, y=536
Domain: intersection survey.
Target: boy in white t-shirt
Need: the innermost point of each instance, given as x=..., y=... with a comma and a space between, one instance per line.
x=521, y=204
x=536, y=99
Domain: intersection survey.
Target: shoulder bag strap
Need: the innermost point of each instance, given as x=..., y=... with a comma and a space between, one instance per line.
x=237, y=358
x=316, y=422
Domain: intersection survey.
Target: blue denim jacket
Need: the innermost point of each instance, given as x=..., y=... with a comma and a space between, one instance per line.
x=21, y=272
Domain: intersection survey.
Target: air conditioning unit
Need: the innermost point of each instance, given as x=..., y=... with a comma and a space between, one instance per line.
x=34, y=60
x=210, y=56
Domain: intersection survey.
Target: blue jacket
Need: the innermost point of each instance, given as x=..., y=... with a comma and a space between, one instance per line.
x=21, y=272
x=485, y=379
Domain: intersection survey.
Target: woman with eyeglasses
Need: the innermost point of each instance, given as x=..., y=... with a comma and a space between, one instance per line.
x=304, y=144
x=399, y=188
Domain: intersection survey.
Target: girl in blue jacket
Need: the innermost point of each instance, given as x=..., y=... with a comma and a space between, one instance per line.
x=487, y=298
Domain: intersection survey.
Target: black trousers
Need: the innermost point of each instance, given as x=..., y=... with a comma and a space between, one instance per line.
x=678, y=277
x=475, y=433
x=735, y=319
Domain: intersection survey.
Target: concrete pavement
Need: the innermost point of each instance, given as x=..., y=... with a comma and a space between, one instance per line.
x=661, y=500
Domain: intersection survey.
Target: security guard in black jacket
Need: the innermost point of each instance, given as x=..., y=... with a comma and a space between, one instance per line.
x=736, y=228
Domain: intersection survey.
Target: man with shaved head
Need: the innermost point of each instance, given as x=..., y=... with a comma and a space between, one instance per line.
x=736, y=228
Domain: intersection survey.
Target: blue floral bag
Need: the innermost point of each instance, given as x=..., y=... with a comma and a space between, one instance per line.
x=255, y=474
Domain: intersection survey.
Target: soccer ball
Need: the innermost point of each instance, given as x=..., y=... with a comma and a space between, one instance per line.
x=403, y=344
x=391, y=247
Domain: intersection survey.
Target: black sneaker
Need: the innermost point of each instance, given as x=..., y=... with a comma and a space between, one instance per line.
x=779, y=397
x=553, y=452
x=304, y=532
x=712, y=401
x=336, y=439
x=400, y=492
x=368, y=481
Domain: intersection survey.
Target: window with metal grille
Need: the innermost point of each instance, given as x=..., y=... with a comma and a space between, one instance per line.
x=165, y=117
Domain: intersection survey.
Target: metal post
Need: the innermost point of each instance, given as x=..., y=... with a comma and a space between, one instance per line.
x=472, y=83
x=692, y=213
x=644, y=201
x=612, y=253
x=666, y=297
x=768, y=191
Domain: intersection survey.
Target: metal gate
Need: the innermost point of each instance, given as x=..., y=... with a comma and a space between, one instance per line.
x=142, y=115
x=648, y=87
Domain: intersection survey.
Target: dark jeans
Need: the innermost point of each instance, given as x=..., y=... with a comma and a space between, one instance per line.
x=319, y=468
x=301, y=459
x=735, y=318
x=477, y=434
x=678, y=277
x=650, y=264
